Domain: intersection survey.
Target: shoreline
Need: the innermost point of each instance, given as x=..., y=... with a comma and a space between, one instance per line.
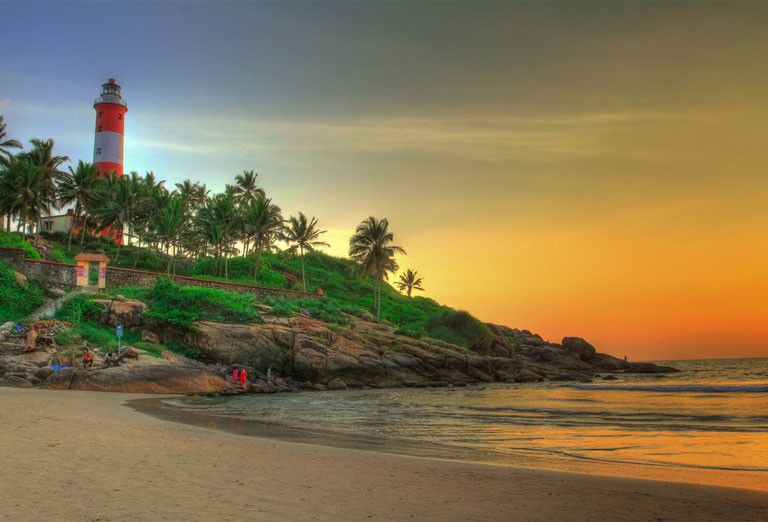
x=158, y=407
x=74, y=455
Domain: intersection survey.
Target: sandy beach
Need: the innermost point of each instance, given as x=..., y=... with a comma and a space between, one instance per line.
x=70, y=455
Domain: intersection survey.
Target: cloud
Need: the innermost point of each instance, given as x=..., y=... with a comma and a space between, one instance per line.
x=484, y=138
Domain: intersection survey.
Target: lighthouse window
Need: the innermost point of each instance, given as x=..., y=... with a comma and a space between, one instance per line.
x=119, y=116
x=98, y=150
x=100, y=128
x=101, y=113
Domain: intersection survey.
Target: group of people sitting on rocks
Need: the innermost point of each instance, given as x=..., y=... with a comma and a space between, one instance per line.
x=112, y=358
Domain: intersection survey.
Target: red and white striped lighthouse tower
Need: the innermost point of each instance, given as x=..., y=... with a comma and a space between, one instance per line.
x=110, y=118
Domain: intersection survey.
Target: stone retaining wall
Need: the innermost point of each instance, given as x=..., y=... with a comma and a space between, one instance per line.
x=64, y=275
x=60, y=275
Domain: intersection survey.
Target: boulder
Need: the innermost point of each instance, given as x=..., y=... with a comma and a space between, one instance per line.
x=15, y=381
x=56, y=293
x=337, y=384
x=20, y=278
x=144, y=376
x=150, y=337
x=129, y=313
x=649, y=368
x=44, y=372
x=526, y=375
x=580, y=347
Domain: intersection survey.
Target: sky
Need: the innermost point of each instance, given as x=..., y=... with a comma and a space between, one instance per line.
x=576, y=169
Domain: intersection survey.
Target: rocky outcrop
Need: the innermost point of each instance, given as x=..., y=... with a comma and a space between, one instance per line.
x=144, y=376
x=299, y=349
x=366, y=353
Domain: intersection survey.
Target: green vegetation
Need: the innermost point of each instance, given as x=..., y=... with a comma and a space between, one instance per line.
x=82, y=314
x=460, y=328
x=151, y=349
x=17, y=300
x=180, y=306
x=9, y=240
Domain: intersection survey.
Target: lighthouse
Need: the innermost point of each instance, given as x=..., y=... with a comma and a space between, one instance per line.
x=110, y=119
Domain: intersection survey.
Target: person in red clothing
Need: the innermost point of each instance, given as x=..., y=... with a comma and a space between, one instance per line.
x=87, y=358
x=243, y=376
x=234, y=375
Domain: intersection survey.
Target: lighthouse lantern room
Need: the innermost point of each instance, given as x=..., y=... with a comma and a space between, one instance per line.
x=110, y=119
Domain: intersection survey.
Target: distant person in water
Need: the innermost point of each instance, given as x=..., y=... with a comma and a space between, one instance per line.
x=87, y=358
x=234, y=375
x=243, y=376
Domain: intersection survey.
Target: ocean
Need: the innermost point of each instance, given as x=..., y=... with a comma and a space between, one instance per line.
x=707, y=424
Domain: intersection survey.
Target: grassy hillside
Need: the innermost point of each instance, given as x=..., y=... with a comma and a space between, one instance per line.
x=344, y=287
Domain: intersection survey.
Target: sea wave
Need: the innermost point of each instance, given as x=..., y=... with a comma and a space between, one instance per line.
x=761, y=388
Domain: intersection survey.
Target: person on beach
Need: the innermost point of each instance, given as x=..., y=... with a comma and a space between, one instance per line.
x=87, y=358
x=243, y=376
x=109, y=359
x=269, y=373
x=234, y=375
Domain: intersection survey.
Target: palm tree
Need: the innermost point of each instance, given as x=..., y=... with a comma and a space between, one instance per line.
x=262, y=221
x=409, y=281
x=303, y=234
x=22, y=192
x=5, y=159
x=120, y=205
x=370, y=246
x=5, y=154
x=168, y=225
x=41, y=156
x=218, y=221
x=83, y=187
x=245, y=190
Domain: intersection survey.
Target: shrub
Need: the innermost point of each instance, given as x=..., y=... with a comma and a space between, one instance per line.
x=79, y=309
x=185, y=350
x=17, y=300
x=410, y=331
x=60, y=256
x=460, y=328
x=151, y=349
x=11, y=240
x=180, y=306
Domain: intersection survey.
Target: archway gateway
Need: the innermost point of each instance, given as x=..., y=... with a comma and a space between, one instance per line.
x=83, y=267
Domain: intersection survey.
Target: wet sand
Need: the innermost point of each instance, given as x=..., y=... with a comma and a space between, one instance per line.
x=86, y=456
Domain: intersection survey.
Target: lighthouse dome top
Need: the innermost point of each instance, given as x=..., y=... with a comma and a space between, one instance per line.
x=110, y=93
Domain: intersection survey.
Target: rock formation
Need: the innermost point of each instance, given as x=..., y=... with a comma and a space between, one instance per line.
x=315, y=354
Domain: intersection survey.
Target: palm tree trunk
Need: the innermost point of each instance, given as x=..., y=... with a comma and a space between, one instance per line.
x=303, y=274
x=22, y=221
x=170, y=258
x=72, y=228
